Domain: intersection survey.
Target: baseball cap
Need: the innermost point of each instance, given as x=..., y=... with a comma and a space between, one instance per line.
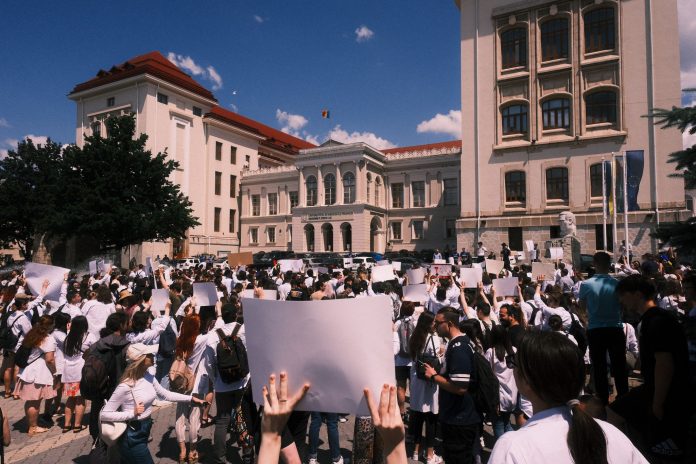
x=138, y=350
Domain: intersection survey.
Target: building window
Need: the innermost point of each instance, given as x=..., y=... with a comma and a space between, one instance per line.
x=294, y=200
x=233, y=155
x=348, y=188
x=515, y=238
x=233, y=186
x=600, y=31
x=232, y=224
x=554, y=232
x=596, y=190
x=513, y=46
x=311, y=186
x=599, y=237
x=396, y=231
x=111, y=101
x=418, y=230
x=378, y=187
x=256, y=205
x=216, y=219
x=515, y=187
x=218, y=183
x=96, y=128
x=218, y=151
x=554, y=39
x=272, y=203
x=197, y=111
x=450, y=192
x=162, y=98
x=556, y=113
x=254, y=235
x=450, y=228
x=247, y=161
x=557, y=184
x=515, y=119
x=270, y=234
x=418, y=193
x=329, y=189
x=397, y=192
x=600, y=107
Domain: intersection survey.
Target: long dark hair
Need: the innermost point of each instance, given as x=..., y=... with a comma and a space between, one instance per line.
x=420, y=334
x=553, y=368
x=500, y=342
x=73, y=342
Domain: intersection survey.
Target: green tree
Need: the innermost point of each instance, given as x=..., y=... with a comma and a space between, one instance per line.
x=120, y=193
x=29, y=187
x=680, y=235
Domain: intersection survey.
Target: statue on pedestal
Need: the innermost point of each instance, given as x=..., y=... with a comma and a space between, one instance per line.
x=571, y=245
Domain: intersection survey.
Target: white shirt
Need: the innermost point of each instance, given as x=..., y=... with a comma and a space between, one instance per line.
x=72, y=368
x=20, y=321
x=283, y=290
x=121, y=406
x=401, y=361
x=508, y=387
x=544, y=440
x=211, y=356
x=37, y=370
x=96, y=314
x=549, y=311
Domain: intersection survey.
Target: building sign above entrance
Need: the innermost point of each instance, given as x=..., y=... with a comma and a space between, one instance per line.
x=327, y=216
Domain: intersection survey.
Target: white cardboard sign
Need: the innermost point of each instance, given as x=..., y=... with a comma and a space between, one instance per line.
x=93, y=267
x=441, y=269
x=439, y=261
x=294, y=265
x=506, y=286
x=205, y=293
x=529, y=244
x=470, y=276
x=338, y=364
x=267, y=294
x=556, y=253
x=546, y=269
x=148, y=265
x=382, y=273
x=494, y=266
x=383, y=262
x=160, y=298
x=35, y=275
x=417, y=292
x=396, y=265
x=415, y=276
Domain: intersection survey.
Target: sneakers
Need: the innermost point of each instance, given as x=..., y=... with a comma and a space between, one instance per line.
x=434, y=460
x=415, y=457
x=313, y=461
x=340, y=461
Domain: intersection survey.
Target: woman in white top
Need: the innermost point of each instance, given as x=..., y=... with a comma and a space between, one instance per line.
x=132, y=401
x=190, y=346
x=76, y=344
x=500, y=357
x=96, y=311
x=403, y=328
x=423, y=346
x=549, y=371
x=36, y=379
x=60, y=331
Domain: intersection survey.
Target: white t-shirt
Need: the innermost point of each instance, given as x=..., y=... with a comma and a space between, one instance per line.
x=544, y=440
x=506, y=379
x=72, y=368
x=37, y=371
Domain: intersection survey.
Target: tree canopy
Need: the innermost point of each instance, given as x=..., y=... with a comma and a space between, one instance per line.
x=112, y=189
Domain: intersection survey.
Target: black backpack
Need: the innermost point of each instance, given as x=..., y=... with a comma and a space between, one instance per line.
x=485, y=387
x=22, y=356
x=405, y=330
x=167, y=342
x=579, y=333
x=232, y=362
x=100, y=373
x=8, y=340
x=532, y=318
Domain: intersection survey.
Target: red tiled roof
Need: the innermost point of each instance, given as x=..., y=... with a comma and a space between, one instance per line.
x=274, y=137
x=151, y=63
x=429, y=146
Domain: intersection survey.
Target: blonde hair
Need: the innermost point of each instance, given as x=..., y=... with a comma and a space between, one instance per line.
x=134, y=371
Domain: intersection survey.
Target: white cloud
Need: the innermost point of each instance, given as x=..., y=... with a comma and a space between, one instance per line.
x=4, y=123
x=259, y=19
x=292, y=123
x=340, y=135
x=11, y=144
x=450, y=123
x=363, y=34
x=189, y=64
x=312, y=139
x=37, y=139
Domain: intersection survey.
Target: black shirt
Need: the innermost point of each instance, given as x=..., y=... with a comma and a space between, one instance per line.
x=516, y=333
x=458, y=369
x=660, y=332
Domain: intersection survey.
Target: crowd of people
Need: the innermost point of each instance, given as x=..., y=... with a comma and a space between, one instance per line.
x=547, y=368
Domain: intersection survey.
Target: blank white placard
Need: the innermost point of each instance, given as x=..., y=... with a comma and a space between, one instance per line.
x=36, y=273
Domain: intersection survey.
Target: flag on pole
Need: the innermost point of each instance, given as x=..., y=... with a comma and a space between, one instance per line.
x=325, y=114
x=619, y=164
x=634, y=169
x=608, y=186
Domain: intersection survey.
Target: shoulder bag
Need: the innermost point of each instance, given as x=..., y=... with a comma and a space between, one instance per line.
x=111, y=431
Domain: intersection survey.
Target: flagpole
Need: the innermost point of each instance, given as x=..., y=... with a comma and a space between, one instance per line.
x=605, y=205
x=614, y=189
x=625, y=202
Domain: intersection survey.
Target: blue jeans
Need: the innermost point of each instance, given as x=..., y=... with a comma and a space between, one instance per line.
x=133, y=442
x=332, y=431
x=501, y=424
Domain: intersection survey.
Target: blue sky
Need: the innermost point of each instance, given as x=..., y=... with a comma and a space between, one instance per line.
x=388, y=70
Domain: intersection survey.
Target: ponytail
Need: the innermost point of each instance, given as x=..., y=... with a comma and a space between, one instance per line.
x=586, y=440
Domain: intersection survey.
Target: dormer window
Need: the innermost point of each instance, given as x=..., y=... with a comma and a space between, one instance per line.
x=162, y=98
x=111, y=101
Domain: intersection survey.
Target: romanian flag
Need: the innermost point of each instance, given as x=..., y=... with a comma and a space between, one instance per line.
x=325, y=114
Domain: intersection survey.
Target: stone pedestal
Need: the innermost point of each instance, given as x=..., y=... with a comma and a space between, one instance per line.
x=571, y=250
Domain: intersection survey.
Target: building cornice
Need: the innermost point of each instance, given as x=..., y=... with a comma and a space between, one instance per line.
x=232, y=128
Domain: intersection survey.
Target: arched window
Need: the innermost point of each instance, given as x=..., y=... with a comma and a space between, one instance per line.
x=596, y=190
x=600, y=30
x=329, y=189
x=515, y=119
x=556, y=113
x=557, y=184
x=348, y=188
x=515, y=187
x=369, y=186
x=513, y=47
x=311, y=185
x=554, y=39
x=378, y=186
x=600, y=107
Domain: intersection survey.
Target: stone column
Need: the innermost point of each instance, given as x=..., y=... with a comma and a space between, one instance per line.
x=320, y=187
x=358, y=182
x=339, y=184
x=301, y=191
